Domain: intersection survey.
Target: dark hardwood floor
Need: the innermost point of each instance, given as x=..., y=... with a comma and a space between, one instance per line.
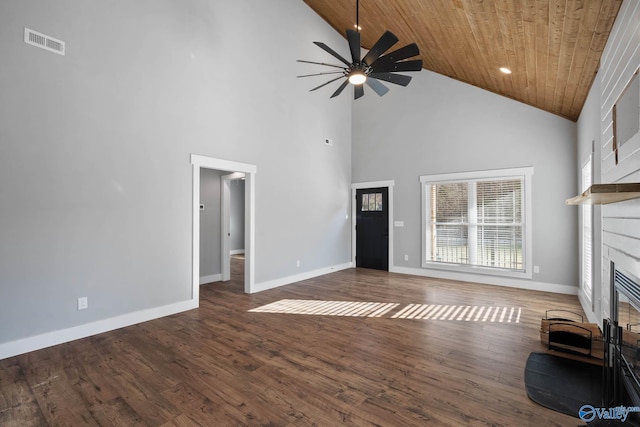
x=222, y=365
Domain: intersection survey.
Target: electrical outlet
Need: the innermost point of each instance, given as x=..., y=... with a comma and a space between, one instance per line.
x=536, y=269
x=298, y=263
x=83, y=303
x=406, y=257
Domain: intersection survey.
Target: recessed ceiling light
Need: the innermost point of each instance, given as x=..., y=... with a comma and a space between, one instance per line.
x=505, y=70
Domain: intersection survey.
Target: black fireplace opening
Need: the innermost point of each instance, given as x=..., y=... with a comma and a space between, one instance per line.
x=622, y=349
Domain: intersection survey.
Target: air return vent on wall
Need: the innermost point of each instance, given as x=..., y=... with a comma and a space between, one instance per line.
x=42, y=41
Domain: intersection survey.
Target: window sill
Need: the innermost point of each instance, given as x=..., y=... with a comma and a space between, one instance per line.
x=470, y=269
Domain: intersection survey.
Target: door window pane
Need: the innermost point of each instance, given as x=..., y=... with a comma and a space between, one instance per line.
x=372, y=202
x=365, y=202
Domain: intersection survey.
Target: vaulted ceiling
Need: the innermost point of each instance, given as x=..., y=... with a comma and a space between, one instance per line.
x=553, y=47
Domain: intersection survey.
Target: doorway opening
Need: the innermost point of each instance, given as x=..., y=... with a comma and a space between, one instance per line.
x=232, y=188
x=249, y=172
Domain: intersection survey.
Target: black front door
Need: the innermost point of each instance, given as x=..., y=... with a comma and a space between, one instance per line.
x=372, y=228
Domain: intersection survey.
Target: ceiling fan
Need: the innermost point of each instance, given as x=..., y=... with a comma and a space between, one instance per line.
x=375, y=66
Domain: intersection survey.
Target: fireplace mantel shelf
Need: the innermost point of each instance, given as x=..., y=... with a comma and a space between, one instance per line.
x=603, y=194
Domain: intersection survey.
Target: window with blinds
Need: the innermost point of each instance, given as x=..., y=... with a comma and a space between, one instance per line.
x=475, y=221
x=587, y=237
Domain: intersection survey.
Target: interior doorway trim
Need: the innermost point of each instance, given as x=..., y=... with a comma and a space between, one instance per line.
x=372, y=184
x=249, y=170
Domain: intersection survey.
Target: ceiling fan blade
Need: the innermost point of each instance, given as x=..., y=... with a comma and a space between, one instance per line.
x=377, y=87
x=320, y=63
x=340, y=89
x=324, y=84
x=414, y=65
x=387, y=40
x=358, y=91
x=398, y=55
x=354, y=45
x=398, y=79
x=332, y=52
x=322, y=74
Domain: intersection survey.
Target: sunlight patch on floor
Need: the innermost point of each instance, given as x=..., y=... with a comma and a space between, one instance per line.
x=466, y=313
x=327, y=308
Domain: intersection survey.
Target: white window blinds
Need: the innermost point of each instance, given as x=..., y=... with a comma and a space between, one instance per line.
x=476, y=222
x=586, y=234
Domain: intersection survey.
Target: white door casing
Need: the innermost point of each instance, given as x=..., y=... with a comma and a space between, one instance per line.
x=249, y=171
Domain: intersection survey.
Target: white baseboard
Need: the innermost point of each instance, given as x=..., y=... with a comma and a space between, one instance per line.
x=25, y=345
x=210, y=278
x=489, y=280
x=236, y=251
x=270, y=284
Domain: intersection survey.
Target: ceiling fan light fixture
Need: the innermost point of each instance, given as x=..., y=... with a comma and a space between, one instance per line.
x=357, y=78
x=376, y=66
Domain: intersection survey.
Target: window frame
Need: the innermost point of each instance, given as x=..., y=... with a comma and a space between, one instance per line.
x=524, y=173
x=586, y=284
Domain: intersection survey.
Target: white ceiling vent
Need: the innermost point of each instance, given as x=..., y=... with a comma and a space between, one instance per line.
x=43, y=41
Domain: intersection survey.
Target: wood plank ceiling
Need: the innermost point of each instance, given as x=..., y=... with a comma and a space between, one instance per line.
x=553, y=47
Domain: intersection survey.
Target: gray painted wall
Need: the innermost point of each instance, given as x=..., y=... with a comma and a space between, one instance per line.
x=95, y=173
x=236, y=218
x=210, y=237
x=438, y=125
